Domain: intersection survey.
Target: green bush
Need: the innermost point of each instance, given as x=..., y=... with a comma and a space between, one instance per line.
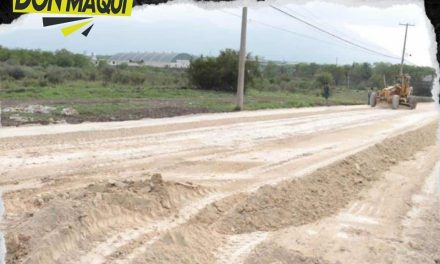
x=55, y=75
x=118, y=76
x=61, y=58
x=221, y=73
x=16, y=72
x=127, y=77
x=137, y=78
x=324, y=78
x=106, y=71
x=76, y=74
x=42, y=83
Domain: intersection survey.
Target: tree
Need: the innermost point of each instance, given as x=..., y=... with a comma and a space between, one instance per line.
x=221, y=73
x=377, y=80
x=324, y=78
x=270, y=70
x=16, y=72
x=203, y=73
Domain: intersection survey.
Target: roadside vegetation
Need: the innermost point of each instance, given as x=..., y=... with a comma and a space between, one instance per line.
x=75, y=89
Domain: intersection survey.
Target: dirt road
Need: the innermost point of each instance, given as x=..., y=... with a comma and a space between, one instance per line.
x=313, y=184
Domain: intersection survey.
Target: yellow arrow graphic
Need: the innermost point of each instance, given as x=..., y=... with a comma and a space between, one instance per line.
x=70, y=29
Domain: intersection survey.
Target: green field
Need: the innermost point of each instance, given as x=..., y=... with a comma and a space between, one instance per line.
x=96, y=102
x=56, y=81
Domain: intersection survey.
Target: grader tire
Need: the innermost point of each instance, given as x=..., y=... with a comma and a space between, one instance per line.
x=395, y=101
x=373, y=100
x=412, y=101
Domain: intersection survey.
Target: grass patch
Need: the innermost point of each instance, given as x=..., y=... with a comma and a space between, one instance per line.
x=96, y=101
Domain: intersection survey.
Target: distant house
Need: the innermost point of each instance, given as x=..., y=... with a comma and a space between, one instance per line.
x=154, y=59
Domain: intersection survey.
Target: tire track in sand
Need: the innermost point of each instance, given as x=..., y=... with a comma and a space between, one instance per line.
x=238, y=247
x=98, y=254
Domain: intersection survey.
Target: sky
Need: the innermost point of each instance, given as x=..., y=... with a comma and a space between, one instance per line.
x=207, y=29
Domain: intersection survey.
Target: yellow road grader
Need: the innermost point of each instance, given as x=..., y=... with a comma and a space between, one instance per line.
x=400, y=93
x=396, y=95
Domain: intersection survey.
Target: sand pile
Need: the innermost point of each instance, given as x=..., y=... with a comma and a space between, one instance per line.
x=323, y=192
x=272, y=253
x=193, y=242
x=63, y=225
x=188, y=244
x=295, y=202
x=68, y=221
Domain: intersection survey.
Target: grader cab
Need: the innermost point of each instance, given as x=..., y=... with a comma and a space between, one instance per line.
x=396, y=95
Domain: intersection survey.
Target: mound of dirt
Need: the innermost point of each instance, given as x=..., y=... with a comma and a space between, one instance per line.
x=323, y=192
x=188, y=244
x=272, y=253
x=68, y=221
x=295, y=202
x=212, y=212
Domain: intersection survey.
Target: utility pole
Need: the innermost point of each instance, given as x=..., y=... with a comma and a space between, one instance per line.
x=242, y=61
x=404, y=46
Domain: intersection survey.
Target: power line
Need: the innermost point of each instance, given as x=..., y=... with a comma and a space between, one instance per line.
x=328, y=27
x=346, y=45
x=317, y=21
x=295, y=33
x=279, y=28
x=333, y=35
x=275, y=27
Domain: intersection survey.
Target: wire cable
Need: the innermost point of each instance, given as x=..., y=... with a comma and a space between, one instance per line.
x=317, y=21
x=333, y=35
x=347, y=43
x=343, y=45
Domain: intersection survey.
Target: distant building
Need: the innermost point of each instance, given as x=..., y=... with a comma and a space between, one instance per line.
x=154, y=59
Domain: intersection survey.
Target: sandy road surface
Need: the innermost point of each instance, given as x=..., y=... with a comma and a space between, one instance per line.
x=84, y=193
